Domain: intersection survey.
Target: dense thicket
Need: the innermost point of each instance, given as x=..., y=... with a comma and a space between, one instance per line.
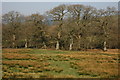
x=66, y=27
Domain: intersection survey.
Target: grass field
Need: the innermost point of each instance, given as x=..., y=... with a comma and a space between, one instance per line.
x=38, y=63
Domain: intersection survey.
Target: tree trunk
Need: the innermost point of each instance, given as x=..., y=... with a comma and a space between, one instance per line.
x=58, y=38
x=57, y=45
x=71, y=44
x=44, y=45
x=13, y=43
x=90, y=39
x=26, y=43
x=79, y=46
x=105, y=37
x=104, y=46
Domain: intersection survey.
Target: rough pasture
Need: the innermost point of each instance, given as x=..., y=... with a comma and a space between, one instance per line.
x=23, y=63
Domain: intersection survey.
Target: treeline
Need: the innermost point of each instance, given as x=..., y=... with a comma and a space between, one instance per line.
x=66, y=27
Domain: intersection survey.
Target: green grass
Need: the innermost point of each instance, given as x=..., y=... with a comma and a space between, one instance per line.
x=40, y=51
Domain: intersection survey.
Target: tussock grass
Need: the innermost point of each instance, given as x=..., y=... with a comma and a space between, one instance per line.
x=23, y=63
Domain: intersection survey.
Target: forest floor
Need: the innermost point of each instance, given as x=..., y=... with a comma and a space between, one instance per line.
x=40, y=63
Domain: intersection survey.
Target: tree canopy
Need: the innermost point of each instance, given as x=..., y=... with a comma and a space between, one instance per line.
x=65, y=27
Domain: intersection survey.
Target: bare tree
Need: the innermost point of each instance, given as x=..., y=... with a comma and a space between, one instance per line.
x=76, y=12
x=58, y=14
x=39, y=33
x=105, y=17
x=14, y=20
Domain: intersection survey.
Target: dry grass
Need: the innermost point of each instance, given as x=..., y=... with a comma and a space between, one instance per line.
x=18, y=56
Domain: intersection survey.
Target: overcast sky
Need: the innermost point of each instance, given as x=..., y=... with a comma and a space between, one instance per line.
x=28, y=8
